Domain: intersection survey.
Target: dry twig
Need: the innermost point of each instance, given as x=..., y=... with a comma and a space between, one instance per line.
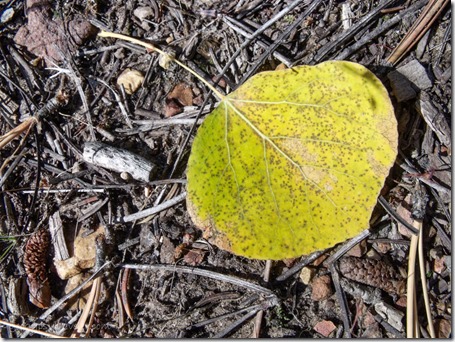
x=430, y=13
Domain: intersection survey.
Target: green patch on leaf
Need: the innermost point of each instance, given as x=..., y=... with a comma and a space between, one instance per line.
x=292, y=161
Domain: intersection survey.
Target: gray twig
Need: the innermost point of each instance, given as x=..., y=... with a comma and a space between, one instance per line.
x=353, y=30
x=62, y=300
x=153, y=210
x=377, y=31
x=205, y=273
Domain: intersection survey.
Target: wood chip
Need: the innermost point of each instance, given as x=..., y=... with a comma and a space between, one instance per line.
x=416, y=74
x=401, y=86
x=435, y=120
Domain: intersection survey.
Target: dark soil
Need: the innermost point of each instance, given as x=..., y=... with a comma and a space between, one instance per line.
x=52, y=63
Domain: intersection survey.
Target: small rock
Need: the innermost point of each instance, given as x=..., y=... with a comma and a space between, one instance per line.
x=372, y=331
x=321, y=288
x=402, y=302
x=221, y=83
x=306, y=274
x=373, y=254
x=368, y=319
x=405, y=213
x=194, y=257
x=7, y=15
x=448, y=262
x=143, y=12
x=179, y=97
x=358, y=250
x=442, y=327
x=147, y=238
x=383, y=248
x=420, y=49
x=167, y=251
x=325, y=328
x=131, y=80
x=439, y=265
x=172, y=108
x=441, y=287
x=47, y=37
x=289, y=262
x=320, y=260
x=183, y=94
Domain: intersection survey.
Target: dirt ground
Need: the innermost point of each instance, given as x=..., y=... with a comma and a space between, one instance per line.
x=53, y=67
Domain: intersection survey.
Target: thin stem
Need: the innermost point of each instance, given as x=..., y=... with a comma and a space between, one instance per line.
x=39, y=332
x=410, y=293
x=161, y=52
x=424, y=286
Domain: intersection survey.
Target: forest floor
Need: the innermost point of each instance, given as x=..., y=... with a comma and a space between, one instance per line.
x=59, y=79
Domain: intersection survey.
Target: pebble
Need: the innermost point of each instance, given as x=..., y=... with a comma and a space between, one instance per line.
x=439, y=266
x=321, y=288
x=167, y=251
x=7, y=15
x=441, y=287
x=306, y=274
x=358, y=250
x=372, y=331
x=442, y=328
x=147, y=238
x=143, y=12
x=325, y=328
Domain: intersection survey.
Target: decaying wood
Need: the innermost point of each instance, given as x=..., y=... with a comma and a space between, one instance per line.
x=58, y=237
x=119, y=160
x=435, y=120
x=430, y=13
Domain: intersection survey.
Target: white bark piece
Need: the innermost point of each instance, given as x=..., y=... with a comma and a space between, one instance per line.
x=346, y=15
x=119, y=160
x=390, y=314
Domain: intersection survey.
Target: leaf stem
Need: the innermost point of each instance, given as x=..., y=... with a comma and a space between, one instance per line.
x=107, y=34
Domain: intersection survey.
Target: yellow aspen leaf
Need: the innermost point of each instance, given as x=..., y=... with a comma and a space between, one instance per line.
x=292, y=161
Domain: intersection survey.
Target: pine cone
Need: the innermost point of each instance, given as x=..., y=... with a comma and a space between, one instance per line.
x=371, y=272
x=35, y=258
